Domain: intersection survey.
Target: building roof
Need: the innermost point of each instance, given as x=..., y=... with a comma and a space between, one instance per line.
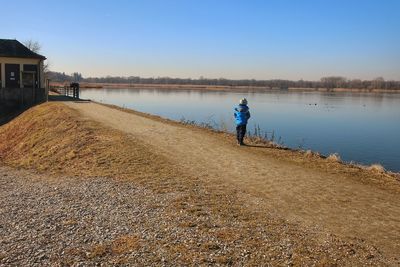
x=13, y=48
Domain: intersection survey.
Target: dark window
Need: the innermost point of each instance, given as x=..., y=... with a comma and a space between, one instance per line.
x=31, y=79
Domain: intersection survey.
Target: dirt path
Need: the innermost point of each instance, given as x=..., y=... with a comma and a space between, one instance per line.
x=331, y=203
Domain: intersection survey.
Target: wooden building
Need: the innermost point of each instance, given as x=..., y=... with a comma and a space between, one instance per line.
x=22, y=80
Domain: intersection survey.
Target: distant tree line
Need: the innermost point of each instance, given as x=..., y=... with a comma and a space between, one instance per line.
x=63, y=77
x=325, y=82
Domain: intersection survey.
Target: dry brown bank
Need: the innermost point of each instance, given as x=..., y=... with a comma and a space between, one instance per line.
x=236, y=200
x=223, y=88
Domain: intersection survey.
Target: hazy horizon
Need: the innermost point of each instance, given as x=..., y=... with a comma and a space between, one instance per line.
x=260, y=40
x=211, y=78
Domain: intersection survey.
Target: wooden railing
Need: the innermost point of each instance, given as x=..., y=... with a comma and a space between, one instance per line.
x=71, y=90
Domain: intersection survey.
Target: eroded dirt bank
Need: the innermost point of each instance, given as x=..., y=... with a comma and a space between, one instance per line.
x=145, y=191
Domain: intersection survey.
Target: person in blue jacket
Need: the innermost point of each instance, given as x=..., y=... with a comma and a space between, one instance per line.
x=242, y=115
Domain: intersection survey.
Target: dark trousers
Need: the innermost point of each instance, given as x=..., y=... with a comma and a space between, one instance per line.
x=240, y=133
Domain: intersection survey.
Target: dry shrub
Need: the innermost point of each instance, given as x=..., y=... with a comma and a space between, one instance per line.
x=376, y=168
x=334, y=157
x=188, y=224
x=308, y=153
x=312, y=154
x=227, y=235
x=124, y=244
x=70, y=222
x=211, y=246
x=121, y=245
x=224, y=260
x=99, y=250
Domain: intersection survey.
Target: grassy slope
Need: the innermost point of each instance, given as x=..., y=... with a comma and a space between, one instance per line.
x=54, y=139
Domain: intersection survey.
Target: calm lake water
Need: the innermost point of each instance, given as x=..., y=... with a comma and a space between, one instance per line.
x=361, y=127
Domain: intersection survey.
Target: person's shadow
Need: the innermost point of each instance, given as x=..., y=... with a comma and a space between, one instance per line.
x=257, y=146
x=268, y=146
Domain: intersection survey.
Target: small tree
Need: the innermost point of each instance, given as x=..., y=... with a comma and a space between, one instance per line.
x=36, y=47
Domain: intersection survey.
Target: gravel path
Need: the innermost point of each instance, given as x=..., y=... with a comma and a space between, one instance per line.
x=334, y=201
x=69, y=221
x=45, y=221
x=169, y=195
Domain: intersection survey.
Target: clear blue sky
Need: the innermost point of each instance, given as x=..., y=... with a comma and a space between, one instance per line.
x=233, y=39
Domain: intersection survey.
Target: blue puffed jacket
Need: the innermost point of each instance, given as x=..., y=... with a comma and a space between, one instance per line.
x=242, y=115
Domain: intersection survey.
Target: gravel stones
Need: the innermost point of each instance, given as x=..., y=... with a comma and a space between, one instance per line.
x=69, y=221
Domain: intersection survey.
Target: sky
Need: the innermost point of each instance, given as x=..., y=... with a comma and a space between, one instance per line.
x=266, y=39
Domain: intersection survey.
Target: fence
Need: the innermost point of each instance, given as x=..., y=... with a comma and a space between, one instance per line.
x=19, y=98
x=71, y=90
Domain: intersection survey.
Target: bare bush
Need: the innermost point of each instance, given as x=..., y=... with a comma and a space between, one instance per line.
x=335, y=157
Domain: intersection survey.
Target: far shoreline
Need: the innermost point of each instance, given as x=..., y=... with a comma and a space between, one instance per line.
x=221, y=88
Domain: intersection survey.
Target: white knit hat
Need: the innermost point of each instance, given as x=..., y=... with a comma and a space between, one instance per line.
x=243, y=101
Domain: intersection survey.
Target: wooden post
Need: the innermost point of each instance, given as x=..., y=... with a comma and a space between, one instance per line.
x=75, y=90
x=47, y=89
x=76, y=95
x=22, y=96
x=34, y=89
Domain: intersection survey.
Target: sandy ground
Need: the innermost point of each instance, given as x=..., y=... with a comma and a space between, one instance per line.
x=329, y=202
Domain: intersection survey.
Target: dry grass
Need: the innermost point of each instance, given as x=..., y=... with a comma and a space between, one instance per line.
x=53, y=138
x=125, y=244
x=309, y=159
x=99, y=250
x=334, y=157
x=120, y=246
x=376, y=168
x=308, y=153
x=72, y=221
